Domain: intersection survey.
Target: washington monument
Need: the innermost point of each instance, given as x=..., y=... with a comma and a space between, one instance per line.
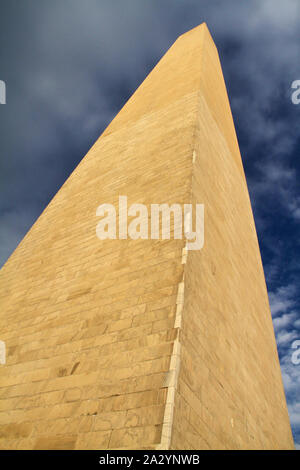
x=141, y=343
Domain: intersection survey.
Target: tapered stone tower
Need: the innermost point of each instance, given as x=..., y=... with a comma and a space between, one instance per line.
x=125, y=343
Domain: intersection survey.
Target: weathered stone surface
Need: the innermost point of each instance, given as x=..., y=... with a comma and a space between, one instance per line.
x=136, y=343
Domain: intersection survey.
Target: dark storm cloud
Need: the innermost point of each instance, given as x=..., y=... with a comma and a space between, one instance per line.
x=70, y=65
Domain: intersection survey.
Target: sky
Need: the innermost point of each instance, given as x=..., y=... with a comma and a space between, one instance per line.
x=69, y=67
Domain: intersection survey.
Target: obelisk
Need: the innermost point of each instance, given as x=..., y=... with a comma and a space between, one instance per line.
x=143, y=344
